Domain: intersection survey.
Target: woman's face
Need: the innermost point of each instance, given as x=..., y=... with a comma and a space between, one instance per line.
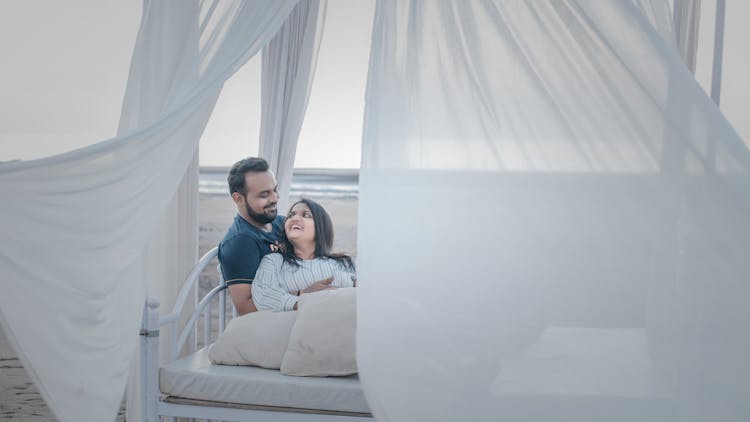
x=299, y=224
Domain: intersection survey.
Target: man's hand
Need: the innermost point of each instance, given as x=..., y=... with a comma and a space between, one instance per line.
x=319, y=285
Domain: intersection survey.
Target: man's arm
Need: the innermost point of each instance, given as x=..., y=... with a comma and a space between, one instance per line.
x=242, y=297
x=239, y=258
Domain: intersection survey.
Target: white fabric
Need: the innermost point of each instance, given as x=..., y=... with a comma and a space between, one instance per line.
x=569, y=365
x=687, y=15
x=544, y=164
x=75, y=226
x=257, y=339
x=322, y=340
x=171, y=252
x=194, y=377
x=735, y=91
x=287, y=75
x=173, y=246
x=579, y=362
x=660, y=15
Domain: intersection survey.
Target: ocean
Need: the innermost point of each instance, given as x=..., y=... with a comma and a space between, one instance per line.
x=321, y=183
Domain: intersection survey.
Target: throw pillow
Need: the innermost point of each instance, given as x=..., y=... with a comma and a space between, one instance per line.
x=258, y=339
x=322, y=341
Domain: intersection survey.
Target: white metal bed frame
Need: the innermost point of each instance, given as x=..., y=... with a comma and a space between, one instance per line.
x=155, y=404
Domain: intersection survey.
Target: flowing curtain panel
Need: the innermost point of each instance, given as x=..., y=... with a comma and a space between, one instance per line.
x=165, y=58
x=546, y=231
x=677, y=24
x=75, y=226
x=686, y=23
x=287, y=76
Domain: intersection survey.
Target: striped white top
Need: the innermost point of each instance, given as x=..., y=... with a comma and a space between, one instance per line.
x=276, y=281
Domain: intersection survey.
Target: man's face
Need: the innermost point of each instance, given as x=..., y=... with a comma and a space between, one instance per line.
x=258, y=205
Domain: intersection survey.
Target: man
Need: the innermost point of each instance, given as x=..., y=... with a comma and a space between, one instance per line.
x=256, y=229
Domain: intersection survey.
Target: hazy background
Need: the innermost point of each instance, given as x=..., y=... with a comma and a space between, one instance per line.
x=65, y=66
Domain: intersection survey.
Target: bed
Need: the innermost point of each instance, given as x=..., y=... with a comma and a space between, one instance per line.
x=191, y=386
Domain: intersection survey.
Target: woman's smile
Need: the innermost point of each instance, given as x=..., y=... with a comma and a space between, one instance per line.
x=299, y=225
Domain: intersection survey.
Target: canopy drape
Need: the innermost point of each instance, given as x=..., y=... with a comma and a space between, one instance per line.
x=553, y=215
x=75, y=226
x=543, y=232
x=686, y=24
x=287, y=75
x=168, y=46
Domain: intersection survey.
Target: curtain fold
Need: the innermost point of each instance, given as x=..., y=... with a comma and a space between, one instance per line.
x=169, y=47
x=536, y=260
x=687, y=15
x=75, y=227
x=287, y=75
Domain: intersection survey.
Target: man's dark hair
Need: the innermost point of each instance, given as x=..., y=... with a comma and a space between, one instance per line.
x=236, y=178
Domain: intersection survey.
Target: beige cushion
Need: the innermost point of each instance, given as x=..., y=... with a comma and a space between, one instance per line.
x=322, y=341
x=258, y=338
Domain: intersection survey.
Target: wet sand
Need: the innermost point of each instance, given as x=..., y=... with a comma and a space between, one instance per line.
x=19, y=398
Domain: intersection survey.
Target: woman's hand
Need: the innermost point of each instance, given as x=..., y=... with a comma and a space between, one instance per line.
x=319, y=285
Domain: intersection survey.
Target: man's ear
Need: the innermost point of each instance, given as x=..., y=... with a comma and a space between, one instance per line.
x=237, y=197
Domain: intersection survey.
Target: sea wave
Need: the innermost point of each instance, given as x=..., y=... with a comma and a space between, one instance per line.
x=324, y=183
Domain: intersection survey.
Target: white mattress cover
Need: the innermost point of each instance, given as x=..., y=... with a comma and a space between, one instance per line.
x=194, y=377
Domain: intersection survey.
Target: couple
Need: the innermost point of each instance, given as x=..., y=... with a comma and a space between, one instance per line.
x=260, y=279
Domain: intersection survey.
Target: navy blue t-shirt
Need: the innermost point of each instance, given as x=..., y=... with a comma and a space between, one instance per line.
x=244, y=246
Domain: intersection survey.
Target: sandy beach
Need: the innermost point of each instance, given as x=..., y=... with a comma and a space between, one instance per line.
x=19, y=398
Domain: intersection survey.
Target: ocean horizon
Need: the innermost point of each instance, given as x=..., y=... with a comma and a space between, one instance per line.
x=325, y=183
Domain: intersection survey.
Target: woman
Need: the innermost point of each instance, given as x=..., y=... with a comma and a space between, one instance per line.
x=305, y=263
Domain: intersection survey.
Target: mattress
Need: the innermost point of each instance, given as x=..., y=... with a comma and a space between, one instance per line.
x=194, y=377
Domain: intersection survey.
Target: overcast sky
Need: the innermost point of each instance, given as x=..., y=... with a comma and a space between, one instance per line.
x=66, y=63
x=65, y=67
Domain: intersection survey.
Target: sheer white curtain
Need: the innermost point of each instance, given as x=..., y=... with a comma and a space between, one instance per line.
x=166, y=58
x=75, y=227
x=687, y=15
x=287, y=75
x=168, y=46
x=525, y=252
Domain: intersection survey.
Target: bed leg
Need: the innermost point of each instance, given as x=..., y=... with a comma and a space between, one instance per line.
x=150, y=360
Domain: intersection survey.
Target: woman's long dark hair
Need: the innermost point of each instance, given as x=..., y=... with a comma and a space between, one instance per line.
x=323, y=237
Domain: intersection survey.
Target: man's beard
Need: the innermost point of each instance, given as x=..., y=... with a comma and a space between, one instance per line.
x=260, y=218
